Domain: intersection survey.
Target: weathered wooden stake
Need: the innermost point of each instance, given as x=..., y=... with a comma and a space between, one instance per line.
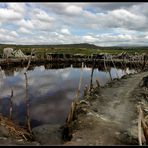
x=71, y=113
x=85, y=90
x=30, y=59
x=98, y=83
x=144, y=126
x=139, y=126
x=80, y=82
x=27, y=122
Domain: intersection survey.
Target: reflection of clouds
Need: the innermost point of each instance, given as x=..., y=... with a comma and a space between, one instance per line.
x=53, y=109
x=70, y=95
x=39, y=68
x=5, y=91
x=51, y=90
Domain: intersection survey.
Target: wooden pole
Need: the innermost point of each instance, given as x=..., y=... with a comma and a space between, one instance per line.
x=30, y=59
x=27, y=122
x=80, y=82
x=98, y=83
x=139, y=126
x=144, y=126
x=85, y=90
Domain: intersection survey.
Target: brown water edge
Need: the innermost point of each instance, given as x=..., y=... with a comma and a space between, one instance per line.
x=64, y=64
x=8, y=63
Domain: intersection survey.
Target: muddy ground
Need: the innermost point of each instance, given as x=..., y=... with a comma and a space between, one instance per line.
x=109, y=115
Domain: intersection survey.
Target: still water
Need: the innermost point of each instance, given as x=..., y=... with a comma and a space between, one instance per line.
x=51, y=91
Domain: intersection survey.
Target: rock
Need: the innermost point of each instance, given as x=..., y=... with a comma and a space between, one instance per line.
x=48, y=134
x=4, y=132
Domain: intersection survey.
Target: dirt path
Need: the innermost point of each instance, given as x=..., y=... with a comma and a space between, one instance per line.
x=112, y=111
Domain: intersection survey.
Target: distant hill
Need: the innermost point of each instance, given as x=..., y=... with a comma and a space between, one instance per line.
x=81, y=45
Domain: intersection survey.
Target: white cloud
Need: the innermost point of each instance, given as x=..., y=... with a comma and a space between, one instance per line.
x=65, y=31
x=24, y=30
x=89, y=38
x=17, y=7
x=73, y=10
x=9, y=15
x=25, y=24
x=42, y=16
x=14, y=33
x=52, y=23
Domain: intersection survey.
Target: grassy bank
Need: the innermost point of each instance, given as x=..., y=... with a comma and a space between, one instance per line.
x=86, y=49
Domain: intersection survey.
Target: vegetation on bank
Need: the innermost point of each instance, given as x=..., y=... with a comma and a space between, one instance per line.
x=83, y=48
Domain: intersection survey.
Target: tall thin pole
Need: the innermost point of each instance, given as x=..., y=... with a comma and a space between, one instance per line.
x=27, y=122
x=80, y=82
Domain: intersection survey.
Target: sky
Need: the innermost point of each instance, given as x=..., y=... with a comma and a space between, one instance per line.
x=102, y=24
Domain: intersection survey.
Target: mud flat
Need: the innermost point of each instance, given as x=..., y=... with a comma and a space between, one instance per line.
x=109, y=115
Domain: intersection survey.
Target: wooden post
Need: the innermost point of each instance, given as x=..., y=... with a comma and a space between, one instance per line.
x=80, y=82
x=144, y=126
x=139, y=126
x=98, y=84
x=27, y=122
x=29, y=60
x=85, y=90
x=71, y=113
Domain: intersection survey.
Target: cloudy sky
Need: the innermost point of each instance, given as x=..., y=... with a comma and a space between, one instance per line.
x=103, y=24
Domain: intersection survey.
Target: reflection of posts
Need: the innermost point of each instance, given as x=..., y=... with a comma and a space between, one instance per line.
x=115, y=67
x=27, y=122
x=110, y=74
x=105, y=64
x=91, y=80
x=10, y=108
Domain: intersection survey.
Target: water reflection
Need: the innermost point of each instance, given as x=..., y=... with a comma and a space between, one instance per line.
x=51, y=91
